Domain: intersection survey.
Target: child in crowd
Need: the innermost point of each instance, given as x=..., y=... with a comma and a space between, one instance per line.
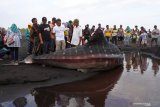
x=143, y=36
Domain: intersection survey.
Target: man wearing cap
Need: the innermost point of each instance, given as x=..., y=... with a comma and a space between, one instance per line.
x=45, y=34
x=155, y=35
x=77, y=34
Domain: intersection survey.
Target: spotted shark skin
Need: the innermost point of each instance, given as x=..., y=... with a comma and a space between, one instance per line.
x=97, y=54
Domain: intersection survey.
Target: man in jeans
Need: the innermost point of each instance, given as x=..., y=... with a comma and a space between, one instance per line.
x=155, y=35
x=58, y=32
x=114, y=35
x=45, y=35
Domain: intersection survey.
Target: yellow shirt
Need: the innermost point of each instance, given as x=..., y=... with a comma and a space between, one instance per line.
x=66, y=33
x=114, y=32
x=108, y=32
x=127, y=33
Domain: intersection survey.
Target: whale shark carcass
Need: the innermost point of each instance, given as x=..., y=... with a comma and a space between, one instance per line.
x=97, y=54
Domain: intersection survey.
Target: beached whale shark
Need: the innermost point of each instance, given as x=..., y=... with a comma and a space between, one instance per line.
x=97, y=54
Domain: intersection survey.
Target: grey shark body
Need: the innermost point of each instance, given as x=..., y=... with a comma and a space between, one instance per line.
x=97, y=54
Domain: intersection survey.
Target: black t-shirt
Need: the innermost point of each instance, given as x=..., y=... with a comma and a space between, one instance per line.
x=87, y=32
x=45, y=31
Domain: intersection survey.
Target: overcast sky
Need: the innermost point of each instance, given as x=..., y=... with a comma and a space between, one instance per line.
x=126, y=12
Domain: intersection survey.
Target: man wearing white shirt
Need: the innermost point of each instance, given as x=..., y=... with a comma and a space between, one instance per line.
x=155, y=35
x=77, y=34
x=58, y=32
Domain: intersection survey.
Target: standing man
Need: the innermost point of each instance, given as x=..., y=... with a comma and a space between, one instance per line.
x=34, y=37
x=58, y=31
x=155, y=35
x=77, y=34
x=114, y=35
x=70, y=26
x=100, y=27
x=45, y=35
x=92, y=30
x=86, y=33
x=149, y=37
x=121, y=34
x=52, y=41
x=108, y=33
x=137, y=30
x=137, y=33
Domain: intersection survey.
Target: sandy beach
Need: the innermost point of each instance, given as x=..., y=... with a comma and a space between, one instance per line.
x=32, y=73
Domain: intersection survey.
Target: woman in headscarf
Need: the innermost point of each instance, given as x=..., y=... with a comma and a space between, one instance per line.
x=128, y=32
x=27, y=37
x=12, y=40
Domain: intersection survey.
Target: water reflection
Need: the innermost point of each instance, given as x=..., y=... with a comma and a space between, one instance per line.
x=136, y=88
x=139, y=62
x=128, y=60
x=20, y=102
x=87, y=93
x=155, y=66
x=143, y=63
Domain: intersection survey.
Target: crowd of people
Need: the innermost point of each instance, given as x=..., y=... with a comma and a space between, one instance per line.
x=140, y=37
x=51, y=36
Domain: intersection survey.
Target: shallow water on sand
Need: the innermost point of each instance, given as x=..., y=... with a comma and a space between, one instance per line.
x=134, y=85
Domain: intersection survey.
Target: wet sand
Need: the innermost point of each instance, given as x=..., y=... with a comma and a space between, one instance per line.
x=13, y=91
x=16, y=81
x=33, y=73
